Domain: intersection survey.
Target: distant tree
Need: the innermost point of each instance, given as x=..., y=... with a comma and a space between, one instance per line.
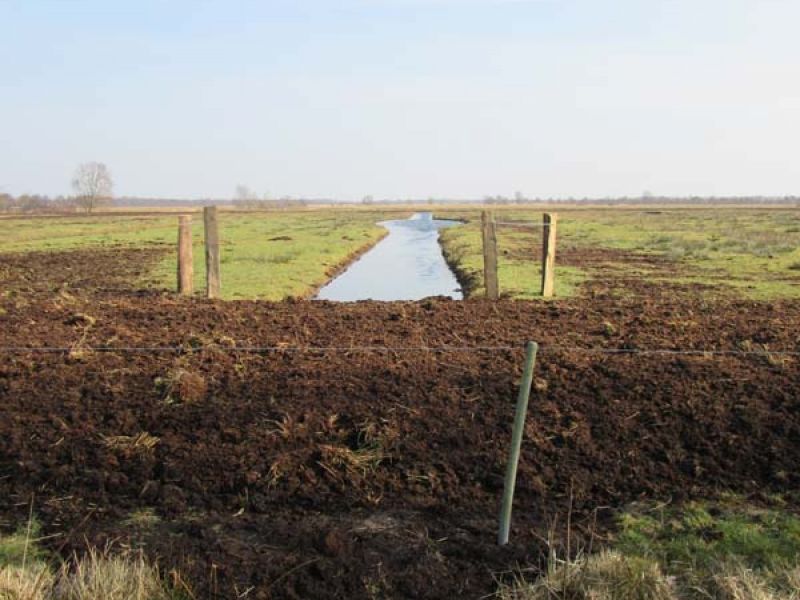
x=245, y=195
x=32, y=203
x=92, y=185
x=6, y=202
x=367, y=200
x=61, y=203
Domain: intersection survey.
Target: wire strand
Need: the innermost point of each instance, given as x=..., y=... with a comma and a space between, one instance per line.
x=431, y=349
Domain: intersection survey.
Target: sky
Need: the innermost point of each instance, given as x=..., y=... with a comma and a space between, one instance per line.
x=402, y=98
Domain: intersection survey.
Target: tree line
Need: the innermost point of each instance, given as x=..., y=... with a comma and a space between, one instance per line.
x=93, y=187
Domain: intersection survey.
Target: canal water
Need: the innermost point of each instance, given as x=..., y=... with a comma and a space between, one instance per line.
x=405, y=265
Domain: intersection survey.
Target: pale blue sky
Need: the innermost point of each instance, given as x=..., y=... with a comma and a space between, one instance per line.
x=403, y=98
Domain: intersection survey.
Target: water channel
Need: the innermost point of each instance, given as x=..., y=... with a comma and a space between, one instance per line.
x=405, y=265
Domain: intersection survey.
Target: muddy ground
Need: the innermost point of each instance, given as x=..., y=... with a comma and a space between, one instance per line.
x=216, y=440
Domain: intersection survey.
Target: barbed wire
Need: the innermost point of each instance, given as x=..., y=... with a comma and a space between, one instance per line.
x=366, y=349
x=256, y=349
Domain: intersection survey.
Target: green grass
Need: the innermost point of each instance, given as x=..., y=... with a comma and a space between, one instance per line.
x=519, y=268
x=726, y=550
x=751, y=252
x=257, y=263
x=702, y=535
x=754, y=251
x=256, y=259
x=21, y=546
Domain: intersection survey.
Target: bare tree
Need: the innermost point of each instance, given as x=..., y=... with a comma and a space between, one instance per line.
x=244, y=194
x=245, y=197
x=92, y=185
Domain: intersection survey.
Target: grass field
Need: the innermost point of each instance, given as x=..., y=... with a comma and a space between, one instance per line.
x=264, y=255
x=519, y=259
x=273, y=255
x=755, y=251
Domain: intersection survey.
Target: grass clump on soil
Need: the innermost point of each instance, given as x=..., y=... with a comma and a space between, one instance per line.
x=129, y=445
x=99, y=575
x=608, y=575
x=723, y=550
x=142, y=518
x=356, y=462
x=27, y=574
x=344, y=454
x=181, y=386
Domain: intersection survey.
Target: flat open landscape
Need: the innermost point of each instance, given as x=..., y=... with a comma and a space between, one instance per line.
x=749, y=251
x=280, y=447
x=399, y=300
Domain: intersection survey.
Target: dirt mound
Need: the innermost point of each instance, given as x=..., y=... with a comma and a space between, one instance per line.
x=362, y=472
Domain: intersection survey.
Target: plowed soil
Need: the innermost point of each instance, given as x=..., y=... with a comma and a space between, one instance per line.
x=276, y=450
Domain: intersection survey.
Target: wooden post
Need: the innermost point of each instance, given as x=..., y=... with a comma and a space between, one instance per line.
x=550, y=223
x=213, y=282
x=489, y=231
x=516, y=443
x=185, y=258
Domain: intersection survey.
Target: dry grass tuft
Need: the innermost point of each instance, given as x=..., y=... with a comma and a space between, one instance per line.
x=80, y=350
x=142, y=518
x=278, y=469
x=141, y=443
x=357, y=462
x=97, y=576
x=289, y=428
x=611, y=575
x=181, y=385
x=737, y=582
x=122, y=577
x=29, y=582
x=605, y=576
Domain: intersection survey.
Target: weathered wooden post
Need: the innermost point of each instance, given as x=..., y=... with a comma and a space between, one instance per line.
x=489, y=234
x=213, y=282
x=550, y=223
x=185, y=258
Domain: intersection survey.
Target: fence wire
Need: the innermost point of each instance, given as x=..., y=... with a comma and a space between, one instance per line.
x=409, y=349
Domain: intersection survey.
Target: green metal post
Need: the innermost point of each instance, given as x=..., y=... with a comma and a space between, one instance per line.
x=516, y=442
